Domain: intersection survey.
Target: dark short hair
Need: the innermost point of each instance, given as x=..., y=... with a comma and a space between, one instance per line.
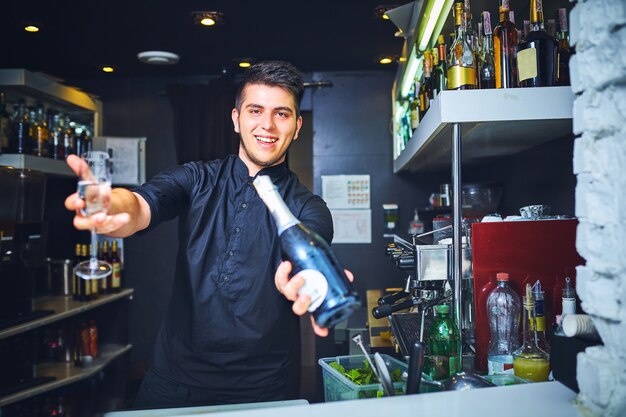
x=274, y=74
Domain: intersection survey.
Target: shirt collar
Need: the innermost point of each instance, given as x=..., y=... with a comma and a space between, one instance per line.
x=275, y=172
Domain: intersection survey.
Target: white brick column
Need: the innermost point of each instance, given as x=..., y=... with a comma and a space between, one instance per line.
x=598, y=75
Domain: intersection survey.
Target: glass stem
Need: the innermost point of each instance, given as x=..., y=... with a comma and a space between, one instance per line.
x=93, y=261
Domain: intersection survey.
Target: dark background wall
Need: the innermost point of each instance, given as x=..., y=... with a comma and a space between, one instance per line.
x=349, y=134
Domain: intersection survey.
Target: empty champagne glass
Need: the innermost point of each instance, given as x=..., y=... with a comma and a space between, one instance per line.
x=94, y=187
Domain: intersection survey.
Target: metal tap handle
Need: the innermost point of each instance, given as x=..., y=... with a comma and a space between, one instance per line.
x=387, y=309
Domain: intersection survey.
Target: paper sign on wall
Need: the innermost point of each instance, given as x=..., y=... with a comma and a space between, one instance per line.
x=352, y=226
x=346, y=191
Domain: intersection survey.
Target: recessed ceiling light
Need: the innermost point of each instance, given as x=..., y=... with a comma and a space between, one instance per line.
x=31, y=28
x=108, y=69
x=158, y=57
x=208, y=18
x=245, y=64
x=385, y=60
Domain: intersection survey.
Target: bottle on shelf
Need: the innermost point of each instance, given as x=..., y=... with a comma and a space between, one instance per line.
x=116, y=264
x=443, y=343
x=416, y=226
x=540, y=317
x=55, y=128
x=503, y=309
x=86, y=285
x=470, y=33
x=526, y=30
x=332, y=296
x=5, y=126
x=564, y=49
x=68, y=136
x=440, y=66
x=76, y=284
x=504, y=49
x=537, y=53
x=551, y=27
x=426, y=91
x=85, y=345
x=415, y=107
x=487, y=77
x=529, y=361
x=461, y=60
x=568, y=305
x=20, y=140
x=103, y=255
x=93, y=339
x=40, y=133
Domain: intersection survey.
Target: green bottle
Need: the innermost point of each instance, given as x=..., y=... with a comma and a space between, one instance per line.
x=443, y=344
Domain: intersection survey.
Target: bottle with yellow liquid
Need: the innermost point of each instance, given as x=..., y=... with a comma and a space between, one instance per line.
x=529, y=361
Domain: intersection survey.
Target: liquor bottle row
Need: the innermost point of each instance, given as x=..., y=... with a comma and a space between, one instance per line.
x=72, y=342
x=504, y=58
x=35, y=130
x=482, y=58
x=85, y=290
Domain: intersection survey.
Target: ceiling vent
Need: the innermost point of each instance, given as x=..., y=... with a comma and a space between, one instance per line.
x=158, y=57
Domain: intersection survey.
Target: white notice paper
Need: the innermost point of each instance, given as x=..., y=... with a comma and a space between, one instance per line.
x=352, y=226
x=346, y=191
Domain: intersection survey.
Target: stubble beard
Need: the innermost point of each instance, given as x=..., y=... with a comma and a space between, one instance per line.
x=255, y=160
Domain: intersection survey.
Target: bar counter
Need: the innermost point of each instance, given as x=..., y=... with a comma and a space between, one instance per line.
x=544, y=399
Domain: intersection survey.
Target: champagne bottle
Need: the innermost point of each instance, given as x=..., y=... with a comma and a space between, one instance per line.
x=461, y=60
x=332, y=296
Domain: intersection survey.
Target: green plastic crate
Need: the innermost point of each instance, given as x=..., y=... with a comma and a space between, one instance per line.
x=337, y=387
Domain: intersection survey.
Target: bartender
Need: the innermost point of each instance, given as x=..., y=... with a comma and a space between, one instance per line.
x=228, y=335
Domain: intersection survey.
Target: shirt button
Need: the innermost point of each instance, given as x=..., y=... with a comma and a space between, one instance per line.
x=224, y=277
x=237, y=229
x=244, y=205
x=231, y=253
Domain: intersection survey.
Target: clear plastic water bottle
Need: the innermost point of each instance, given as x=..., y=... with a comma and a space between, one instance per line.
x=503, y=309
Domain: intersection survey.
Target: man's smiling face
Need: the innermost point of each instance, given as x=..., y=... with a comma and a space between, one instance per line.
x=267, y=124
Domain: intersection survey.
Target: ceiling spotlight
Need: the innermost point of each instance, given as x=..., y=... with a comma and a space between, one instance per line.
x=31, y=28
x=158, y=57
x=208, y=18
x=108, y=69
x=380, y=11
x=384, y=60
x=244, y=63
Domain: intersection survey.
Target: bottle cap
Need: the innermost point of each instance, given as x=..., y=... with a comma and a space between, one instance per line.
x=568, y=291
x=442, y=309
x=502, y=276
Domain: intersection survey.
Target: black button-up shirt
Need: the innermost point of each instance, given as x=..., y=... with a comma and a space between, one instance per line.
x=227, y=328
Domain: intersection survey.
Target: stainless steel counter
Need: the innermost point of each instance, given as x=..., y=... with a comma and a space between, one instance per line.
x=545, y=399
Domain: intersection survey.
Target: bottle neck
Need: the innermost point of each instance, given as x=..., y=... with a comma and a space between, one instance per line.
x=536, y=14
x=504, y=10
x=280, y=212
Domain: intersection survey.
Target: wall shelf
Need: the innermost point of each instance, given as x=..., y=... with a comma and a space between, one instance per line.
x=47, y=165
x=494, y=122
x=63, y=307
x=67, y=373
x=37, y=87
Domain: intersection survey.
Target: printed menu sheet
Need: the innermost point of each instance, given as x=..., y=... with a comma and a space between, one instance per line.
x=346, y=191
x=348, y=198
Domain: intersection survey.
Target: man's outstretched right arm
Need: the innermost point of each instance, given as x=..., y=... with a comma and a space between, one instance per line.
x=128, y=212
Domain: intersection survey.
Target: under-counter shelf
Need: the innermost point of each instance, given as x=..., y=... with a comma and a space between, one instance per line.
x=63, y=307
x=493, y=122
x=47, y=165
x=67, y=373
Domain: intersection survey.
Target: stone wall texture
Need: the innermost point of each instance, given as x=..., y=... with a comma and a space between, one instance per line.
x=598, y=75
